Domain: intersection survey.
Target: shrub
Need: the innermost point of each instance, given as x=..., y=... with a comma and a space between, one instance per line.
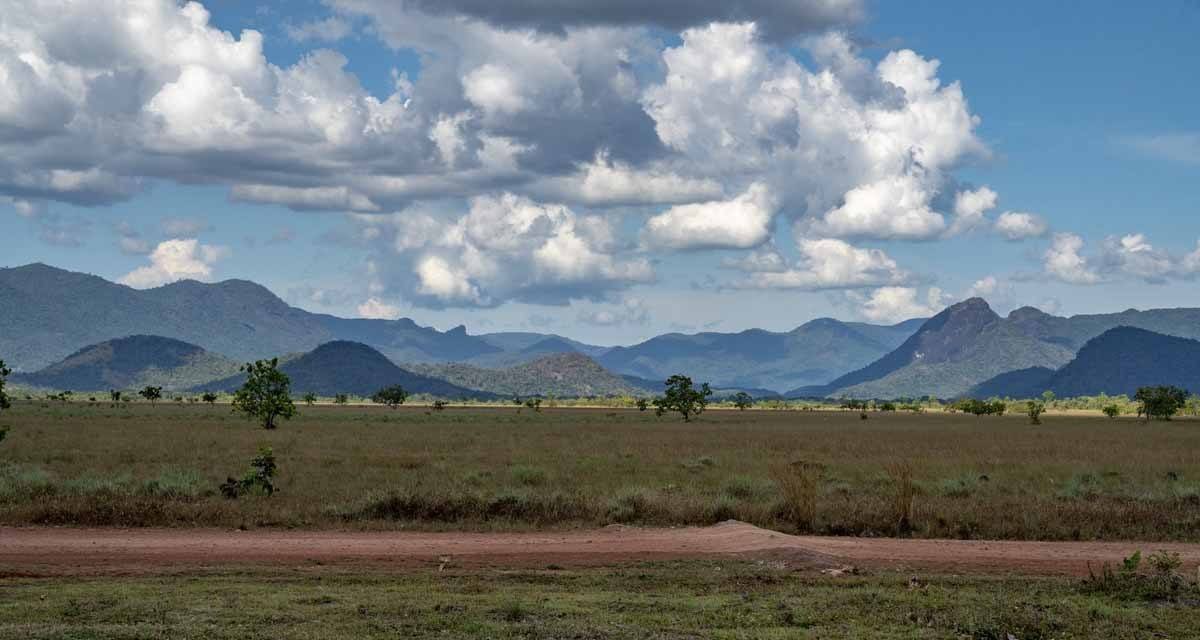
x=743, y=400
x=341, y=398
x=1112, y=410
x=150, y=393
x=534, y=403
x=887, y=406
x=439, y=405
x=1163, y=583
x=310, y=398
x=1035, y=410
x=260, y=476
x=209, y=397
x=642, y=404
x=4, y=373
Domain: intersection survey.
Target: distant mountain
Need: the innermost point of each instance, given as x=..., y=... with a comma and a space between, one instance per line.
x=353, y=368
x=1022, y=383
x=50, y=313
x=1117, y=362
x=520, y=348
x=566, y=375
x=132, y=363
x=812, y=353
x=948, y=356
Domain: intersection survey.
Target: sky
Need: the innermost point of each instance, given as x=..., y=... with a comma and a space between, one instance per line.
x=605, y=171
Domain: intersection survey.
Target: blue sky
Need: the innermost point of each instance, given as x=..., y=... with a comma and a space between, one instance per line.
x=606, y=175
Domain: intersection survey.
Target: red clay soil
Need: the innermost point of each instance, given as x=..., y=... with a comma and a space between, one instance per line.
x=71, y=552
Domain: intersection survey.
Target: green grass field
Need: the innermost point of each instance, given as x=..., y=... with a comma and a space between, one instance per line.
x=718, y=599
x=497, y=468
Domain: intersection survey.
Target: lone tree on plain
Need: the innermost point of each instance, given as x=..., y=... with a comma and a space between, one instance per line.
x=153, y=394
x=114, y=396
x=4, y=371
x=1160, y=403
x=310, y=398
x=392, y=396
x=1035, y=410
x=266, y=395
x=209, y=397
x=743, y=401
x=683, y=397
x=1112, y=411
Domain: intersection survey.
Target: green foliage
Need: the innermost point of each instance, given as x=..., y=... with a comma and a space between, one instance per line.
x=743, y=400
x=1034, y=410
x=683, y=398
x=266, y=395
x=534, y=403
x=1112, y=410
x=209, y=397
x=439, y=405
x=4, y=371
x=642, y=404
x=341, y=398
x=114, y=396
x=887, y=406
x=151, y=393
x=1162, y=584
x=260, y=477
x=392, y=396
x=310, y=398
x=1161, y=402
x=977, y=407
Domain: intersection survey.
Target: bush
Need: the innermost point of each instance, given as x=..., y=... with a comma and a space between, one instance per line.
x=260, y=477
x=1163, y=583
x=1112, y=411
x=1035, y=410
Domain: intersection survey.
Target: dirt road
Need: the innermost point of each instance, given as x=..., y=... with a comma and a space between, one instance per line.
x=49, y=552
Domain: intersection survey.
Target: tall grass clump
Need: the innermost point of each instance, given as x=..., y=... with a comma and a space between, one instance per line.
x=904, y=495
x=799, y=482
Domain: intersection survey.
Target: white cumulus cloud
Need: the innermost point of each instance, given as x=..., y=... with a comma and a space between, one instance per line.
x=176, y=259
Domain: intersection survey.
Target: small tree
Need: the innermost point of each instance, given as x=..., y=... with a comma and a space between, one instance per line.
x=260, y=476
x=683, y=398
x=266, y=395
x=341, y=398
x=439, y=405
x=534, y=403
x=1160, y=403
x=743, y=401
x=392, y=396
x=642, y=404
x=1112, y=411
x=209, y=397
x=310, y=398
x=153, y=394
x=114, y=396
x=5, y=403
x=1035, y=410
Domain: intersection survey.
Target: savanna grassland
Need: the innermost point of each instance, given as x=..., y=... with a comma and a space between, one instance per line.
x=694, y=599
x=928, y=475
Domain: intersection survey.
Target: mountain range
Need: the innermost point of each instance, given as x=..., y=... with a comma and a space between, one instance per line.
x=961, y=350
x=351, y=368
x=70, y=330
x=50, y=313
x=1117, y=362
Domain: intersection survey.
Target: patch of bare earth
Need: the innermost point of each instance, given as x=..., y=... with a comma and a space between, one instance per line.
x=75, y=551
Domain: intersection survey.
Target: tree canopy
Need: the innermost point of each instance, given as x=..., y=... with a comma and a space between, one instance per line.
x=682, y=397
x=1161, y=402
x=266, y=395
x=392, y=396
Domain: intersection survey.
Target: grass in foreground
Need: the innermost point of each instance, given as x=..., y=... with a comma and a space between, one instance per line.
x=672, y=600
x=371, y=467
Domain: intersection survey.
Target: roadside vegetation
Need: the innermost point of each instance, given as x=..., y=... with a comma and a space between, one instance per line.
x=697, y=599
